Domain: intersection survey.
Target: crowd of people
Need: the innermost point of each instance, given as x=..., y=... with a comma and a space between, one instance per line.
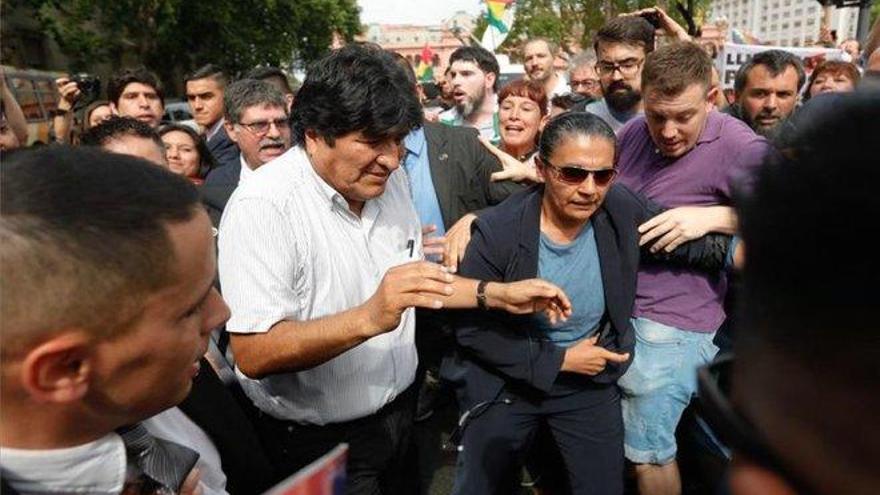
x=209, y=310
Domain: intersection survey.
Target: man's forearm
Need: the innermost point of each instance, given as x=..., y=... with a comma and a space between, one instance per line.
x=722, y=219
x=299, y=345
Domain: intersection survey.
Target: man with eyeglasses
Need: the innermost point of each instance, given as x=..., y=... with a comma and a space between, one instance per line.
x=681, y=153
x=257, y=121
x=582, y=77
x=621, y=47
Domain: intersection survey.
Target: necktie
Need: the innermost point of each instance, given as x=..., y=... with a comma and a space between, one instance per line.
x=162, y=461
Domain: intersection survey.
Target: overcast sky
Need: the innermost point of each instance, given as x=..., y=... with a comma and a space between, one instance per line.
x=423, y=12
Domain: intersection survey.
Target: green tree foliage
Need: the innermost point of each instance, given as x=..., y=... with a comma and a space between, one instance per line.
x=578, y=20
x=169, y=35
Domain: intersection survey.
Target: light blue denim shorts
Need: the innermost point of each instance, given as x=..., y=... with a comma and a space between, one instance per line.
x=658, y=386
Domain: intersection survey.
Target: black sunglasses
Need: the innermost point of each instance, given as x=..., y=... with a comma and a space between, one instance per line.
x=571, y=174
x=732, y=427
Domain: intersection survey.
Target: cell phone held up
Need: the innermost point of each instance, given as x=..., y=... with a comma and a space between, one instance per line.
x=653, y=17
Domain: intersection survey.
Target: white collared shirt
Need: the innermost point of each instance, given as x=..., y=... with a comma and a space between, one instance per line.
x=246, y=170
x=97, y=467
x=173, y=425
x=291, y=249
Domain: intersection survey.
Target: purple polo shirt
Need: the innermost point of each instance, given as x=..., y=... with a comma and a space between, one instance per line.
x=727, y=151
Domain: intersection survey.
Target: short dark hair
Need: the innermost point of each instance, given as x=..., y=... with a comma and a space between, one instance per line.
x=206, y=159
x=671, y=69
x=83, y=239
x=116, y=127
x=355, y=88
x=629, y=30
x=775, y=61
x=480, y=56
x=573, y=123
x=813, y=308
x=274, y=73
x=116, y=85
x=246, y=93
x=208, y=71
x=404, y=64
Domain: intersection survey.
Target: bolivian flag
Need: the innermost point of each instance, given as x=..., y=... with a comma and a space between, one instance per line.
x=495, y=10
x=425, y=70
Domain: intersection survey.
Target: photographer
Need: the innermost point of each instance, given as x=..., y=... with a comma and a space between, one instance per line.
x=76, y=92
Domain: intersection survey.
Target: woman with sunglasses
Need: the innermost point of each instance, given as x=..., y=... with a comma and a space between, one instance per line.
x=516, y=375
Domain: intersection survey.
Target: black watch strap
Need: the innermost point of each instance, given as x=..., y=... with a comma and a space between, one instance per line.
x=481, y=295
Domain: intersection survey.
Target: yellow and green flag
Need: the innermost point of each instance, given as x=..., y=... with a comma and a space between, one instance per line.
x=495, y=10
x=425, y=70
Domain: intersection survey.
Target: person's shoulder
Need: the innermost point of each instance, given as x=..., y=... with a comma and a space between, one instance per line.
x=508, y=213
x=636, y=128
x=277, y=180
x=224, y=174
x=620, y=198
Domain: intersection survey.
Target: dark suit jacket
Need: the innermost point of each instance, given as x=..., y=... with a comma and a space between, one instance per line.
x=460, y=170
x=494, y=349
x=223, y=149
x=218, y=187
x=227, y=422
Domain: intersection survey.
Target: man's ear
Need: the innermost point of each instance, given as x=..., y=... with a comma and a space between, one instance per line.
x=59, y=369
x=491, y=77
x=711, y=96
x=113, y=109
x=230, y=130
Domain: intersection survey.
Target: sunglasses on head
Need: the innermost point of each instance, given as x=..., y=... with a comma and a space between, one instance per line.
x=571, y=174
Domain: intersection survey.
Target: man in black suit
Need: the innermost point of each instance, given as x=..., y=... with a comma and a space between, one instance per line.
x=256, y=120
x=204, y=92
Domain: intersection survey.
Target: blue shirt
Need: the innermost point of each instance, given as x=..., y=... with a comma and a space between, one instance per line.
x=418, y=171
x=574, y=267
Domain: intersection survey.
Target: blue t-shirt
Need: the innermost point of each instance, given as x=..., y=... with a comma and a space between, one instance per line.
x=574, y=267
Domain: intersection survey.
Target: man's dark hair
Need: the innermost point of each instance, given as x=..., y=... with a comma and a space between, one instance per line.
x=807, y=356
x=269, y=73
x=83, y=239
x=404, y=64
x=355, y=88
x=775, y=61
x=480, y=56
x=573, y=124
x=116, y=127
x=116, y=85
x=246, y=93
x=671, y=69
x=208, y=71
x=629, y=30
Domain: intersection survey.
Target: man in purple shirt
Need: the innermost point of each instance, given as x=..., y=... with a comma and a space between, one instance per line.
x=681, y=153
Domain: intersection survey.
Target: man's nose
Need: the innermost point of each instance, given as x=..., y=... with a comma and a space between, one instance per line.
x=771, y=101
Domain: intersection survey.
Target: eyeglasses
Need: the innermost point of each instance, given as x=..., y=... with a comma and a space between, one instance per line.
x=571, y=174
x=731, y=426
x=628, y=67
x=586, y=83
x=261, y=127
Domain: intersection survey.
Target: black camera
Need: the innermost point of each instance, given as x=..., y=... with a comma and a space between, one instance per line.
x=89, y=87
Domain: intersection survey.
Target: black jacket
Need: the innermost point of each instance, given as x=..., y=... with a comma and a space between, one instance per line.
x=223, y=149
x=218, y=187
x=460, y=170
x=495, y=349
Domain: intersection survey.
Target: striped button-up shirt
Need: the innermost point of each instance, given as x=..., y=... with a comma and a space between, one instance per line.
x=291, y=249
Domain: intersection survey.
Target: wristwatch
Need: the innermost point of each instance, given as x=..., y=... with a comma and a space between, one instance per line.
x=481, y=295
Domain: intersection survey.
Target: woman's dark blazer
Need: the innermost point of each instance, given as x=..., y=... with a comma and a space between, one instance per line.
x=494, y=349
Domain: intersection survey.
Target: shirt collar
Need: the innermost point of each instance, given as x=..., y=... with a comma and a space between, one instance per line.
x=97, y=467
x=214, y=129
x=332, y=196
x=414, y=142
x=712, y=128
x=246, y=170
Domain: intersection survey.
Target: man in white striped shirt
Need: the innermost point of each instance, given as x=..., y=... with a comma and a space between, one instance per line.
x=320, y=263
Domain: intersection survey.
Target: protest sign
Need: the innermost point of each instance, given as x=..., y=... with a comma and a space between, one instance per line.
x=325, y=476
x=733, y=56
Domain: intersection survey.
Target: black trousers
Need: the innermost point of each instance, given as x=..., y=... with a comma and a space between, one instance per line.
x=585, y=423
x=377, y=446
